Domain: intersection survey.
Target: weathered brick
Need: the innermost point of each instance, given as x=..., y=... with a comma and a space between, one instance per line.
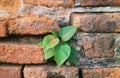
x=100, y=2
x=102, y=73
x=21, y=54
x=10, y=71
x=10, y=5
x=3, y=30
x=48, y=71
x=97, y=22
x=97, y=45
x=31, y=25
x=50, y=3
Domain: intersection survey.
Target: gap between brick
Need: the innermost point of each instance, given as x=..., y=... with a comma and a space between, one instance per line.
x=80, y=73
x=22, y=73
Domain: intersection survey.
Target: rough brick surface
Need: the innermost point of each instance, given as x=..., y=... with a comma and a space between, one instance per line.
x=100, y=2
x=50, y=3
x=3, y=30
x=10, y=71
x=21, y=54
x=97, y=45
x=10, y=5
x=102, y=73
x=31, y=25
x=97, y=22
x=45, y=71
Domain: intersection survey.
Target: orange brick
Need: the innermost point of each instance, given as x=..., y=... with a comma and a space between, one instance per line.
x=3, y=30
x=31, y=25
x=10, y=71
x=48, y=71
x=96, y=22
x=101, y=73
x=10, y=5
x=100, y=2
x=50, y=3
x=21, y=54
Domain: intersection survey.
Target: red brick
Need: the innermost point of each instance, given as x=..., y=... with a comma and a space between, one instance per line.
x=102, y=73
x=10, y=5
x=50, y=3
x=3, y=31
x=31, y=25
x=100, y=2
x=47, y=71
x=98, y=45
x=97, y=22
x=21, y=54
x=10, y=71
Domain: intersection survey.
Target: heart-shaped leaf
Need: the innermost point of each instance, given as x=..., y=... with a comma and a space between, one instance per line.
x=49, y=42
x=73, y=56
x=67, y=32
x=40, y=44
x=62, y=53
x=49, y=53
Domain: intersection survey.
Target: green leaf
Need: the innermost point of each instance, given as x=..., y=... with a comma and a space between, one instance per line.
x=49, y=53
x=49, y=42
x=62, y=53
x=40, y=44
x=73, y=56
x=67, y=32
x=55, y=34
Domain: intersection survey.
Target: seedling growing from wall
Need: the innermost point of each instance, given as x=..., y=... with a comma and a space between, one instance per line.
x=57, y=45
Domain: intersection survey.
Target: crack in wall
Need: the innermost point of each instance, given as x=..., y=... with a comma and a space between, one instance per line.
x=80, y=73
x=22, y=73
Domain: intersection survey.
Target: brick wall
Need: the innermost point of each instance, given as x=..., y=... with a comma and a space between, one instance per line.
x=23, y=23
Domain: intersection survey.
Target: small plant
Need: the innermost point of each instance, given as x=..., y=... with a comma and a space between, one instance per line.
x=57, y=45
